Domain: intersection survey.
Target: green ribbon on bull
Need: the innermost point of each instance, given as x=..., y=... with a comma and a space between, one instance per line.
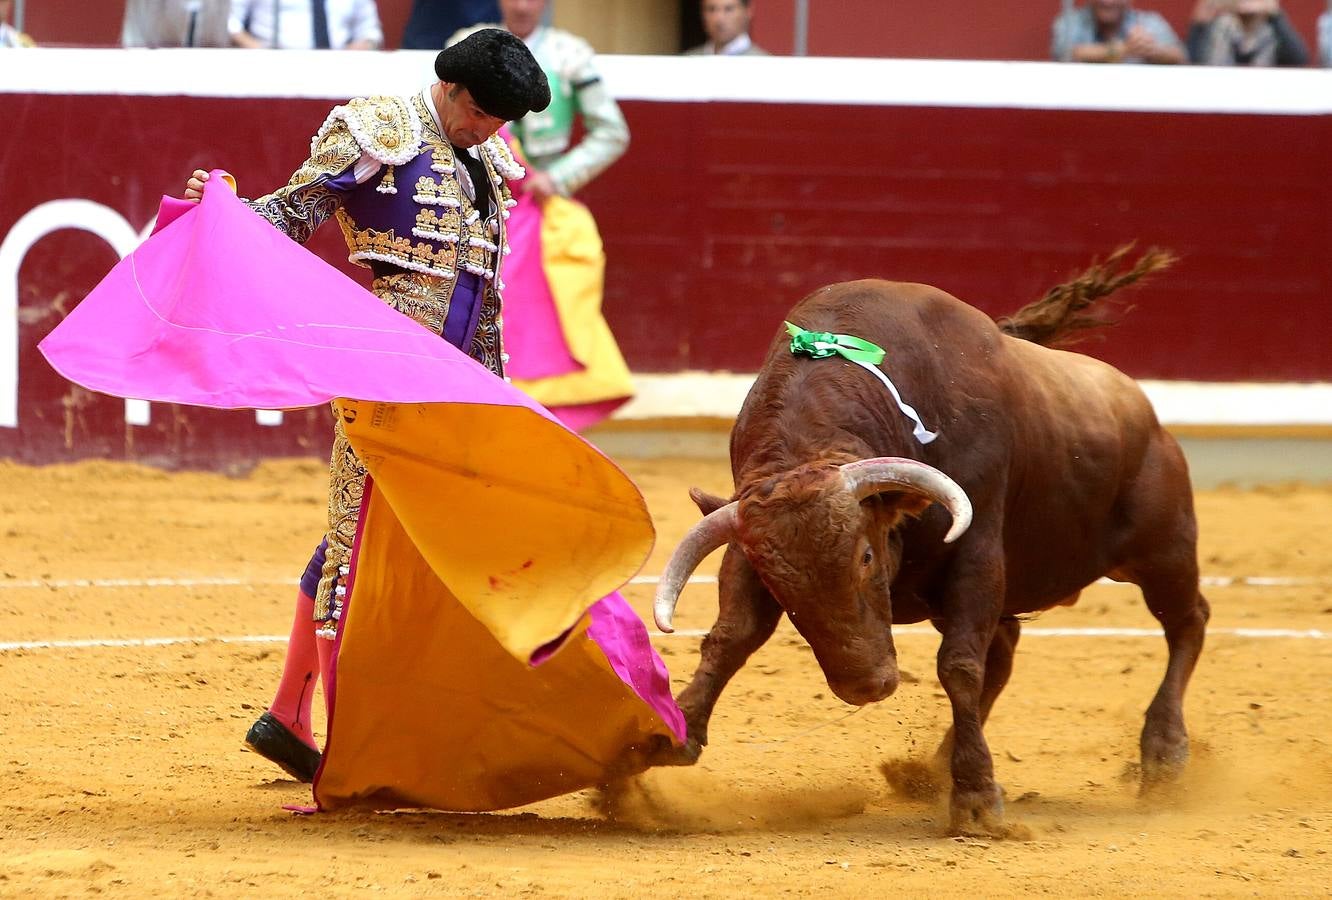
x=821, y=344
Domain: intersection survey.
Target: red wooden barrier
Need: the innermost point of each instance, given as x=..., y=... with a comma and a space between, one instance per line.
x=724, y=213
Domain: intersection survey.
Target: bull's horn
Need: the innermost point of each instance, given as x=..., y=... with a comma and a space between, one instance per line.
x=867, y=477
x=712, y=531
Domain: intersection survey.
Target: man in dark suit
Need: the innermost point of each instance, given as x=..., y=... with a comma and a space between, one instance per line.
x=433, y=21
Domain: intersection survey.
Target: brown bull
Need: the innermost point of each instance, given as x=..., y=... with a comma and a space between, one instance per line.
x=846, y=521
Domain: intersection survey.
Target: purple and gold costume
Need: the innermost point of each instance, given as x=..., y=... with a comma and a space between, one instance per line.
x=401, y=194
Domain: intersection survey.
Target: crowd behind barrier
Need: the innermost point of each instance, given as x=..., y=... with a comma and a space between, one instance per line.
x=1255, y=33
x=1220, y=32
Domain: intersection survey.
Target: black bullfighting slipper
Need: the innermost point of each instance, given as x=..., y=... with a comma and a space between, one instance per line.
x=275, y=742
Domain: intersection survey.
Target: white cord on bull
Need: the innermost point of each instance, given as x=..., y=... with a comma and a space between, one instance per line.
x=822, y=344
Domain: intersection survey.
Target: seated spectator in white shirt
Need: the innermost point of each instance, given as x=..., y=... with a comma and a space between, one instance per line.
x=1111, y=31
x=176, y=23
x=726, y=23
x=306, y=24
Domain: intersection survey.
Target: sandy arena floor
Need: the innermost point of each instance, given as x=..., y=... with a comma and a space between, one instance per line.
x=124, y=773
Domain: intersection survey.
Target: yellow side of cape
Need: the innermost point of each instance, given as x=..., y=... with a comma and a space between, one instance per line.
x=432, y=712
x=526, y=523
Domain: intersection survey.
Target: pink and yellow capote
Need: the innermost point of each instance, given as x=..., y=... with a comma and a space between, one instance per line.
x=485, y=659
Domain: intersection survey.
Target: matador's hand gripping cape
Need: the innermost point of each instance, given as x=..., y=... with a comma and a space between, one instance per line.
x=487, y=533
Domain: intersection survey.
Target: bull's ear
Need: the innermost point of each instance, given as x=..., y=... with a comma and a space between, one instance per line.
x=706, y=503
x=903, y=504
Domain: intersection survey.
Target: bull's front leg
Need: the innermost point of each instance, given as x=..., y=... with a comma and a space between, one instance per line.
x=998, y=668
x=747, y=617
x=970, y=617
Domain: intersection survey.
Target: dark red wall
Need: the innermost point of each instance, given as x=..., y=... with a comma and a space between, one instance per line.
x=138, y=149
x=721, y=216
x=946, y=29
x=712, y=239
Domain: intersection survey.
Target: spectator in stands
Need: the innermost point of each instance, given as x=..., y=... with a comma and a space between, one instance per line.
x=576, y=90
x=9, y=35
x=726, y=23
x=432, y=21
x=564, y=355
x=306, y=24
x=1325, y=38
x=176, y=23
x=1244, y=33
x=1111, y=31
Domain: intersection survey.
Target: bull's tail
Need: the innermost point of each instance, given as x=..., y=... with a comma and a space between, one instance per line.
x=1071, y=308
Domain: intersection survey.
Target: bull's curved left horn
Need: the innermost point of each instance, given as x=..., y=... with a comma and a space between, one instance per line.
x=867, y=477
x=714, y=530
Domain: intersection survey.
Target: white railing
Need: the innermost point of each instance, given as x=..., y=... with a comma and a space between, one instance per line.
x=332, y=75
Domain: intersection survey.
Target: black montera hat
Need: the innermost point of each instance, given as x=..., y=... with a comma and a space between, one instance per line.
x=499, y=71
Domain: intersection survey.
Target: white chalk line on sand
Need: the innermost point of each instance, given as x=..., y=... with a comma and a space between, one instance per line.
x=1313, y=634
x=95, y=643
x=82, y=644
x=56, y=584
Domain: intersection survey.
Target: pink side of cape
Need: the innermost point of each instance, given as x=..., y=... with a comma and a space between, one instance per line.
x=220, y=309
x=621, y=635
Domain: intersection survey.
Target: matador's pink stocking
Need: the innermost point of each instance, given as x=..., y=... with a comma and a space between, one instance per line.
x=300, y=673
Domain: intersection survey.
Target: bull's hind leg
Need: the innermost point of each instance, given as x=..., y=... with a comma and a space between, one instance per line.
x=1162, y=559
x=747, y=617
x=1173, y=597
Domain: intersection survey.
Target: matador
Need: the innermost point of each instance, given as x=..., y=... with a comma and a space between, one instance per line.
x=418, y=185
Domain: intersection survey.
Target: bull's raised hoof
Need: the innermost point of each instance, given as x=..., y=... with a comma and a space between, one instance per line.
x=977, y=812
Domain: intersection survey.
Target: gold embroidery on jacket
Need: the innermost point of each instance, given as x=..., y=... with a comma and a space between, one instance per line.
x=423, y=299
x=304, y=203
x=464, y=239
x=345, y=490
x=384, y=124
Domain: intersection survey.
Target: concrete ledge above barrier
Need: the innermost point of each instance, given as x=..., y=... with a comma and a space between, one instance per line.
x=1235, y=434
x=1221, y=458
x=1211, y=405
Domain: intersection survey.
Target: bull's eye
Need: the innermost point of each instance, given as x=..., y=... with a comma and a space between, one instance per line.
x=867, y=558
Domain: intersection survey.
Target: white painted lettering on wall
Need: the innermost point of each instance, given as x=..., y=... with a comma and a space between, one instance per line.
x=56, y=215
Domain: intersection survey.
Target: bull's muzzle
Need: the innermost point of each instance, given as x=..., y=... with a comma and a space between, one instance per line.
x=860, y=691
